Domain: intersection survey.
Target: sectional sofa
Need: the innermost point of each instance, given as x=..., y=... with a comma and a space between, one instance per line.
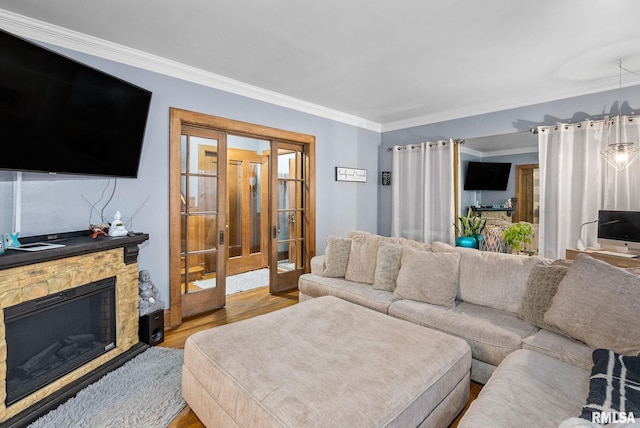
x=532, y=323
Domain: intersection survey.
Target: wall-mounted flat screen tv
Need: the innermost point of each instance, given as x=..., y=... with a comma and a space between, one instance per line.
x=58, y=115
x=487, y=176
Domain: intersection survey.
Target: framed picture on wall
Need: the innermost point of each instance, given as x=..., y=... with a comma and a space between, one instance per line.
x=351, y=174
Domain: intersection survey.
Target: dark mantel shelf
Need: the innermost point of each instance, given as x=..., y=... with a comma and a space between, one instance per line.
x=480, y=210
x=75, y=243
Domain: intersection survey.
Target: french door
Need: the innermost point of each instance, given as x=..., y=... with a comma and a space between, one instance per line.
x=291, y=180
x=198, y=206
x=242, y=197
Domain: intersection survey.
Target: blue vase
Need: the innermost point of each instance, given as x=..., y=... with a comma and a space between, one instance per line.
x=467, y=242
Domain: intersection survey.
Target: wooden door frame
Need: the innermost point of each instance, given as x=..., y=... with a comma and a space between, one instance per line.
x=179, y=117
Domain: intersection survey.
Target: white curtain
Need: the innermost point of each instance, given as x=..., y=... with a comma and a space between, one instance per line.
x=576, y=182
x=423, y=192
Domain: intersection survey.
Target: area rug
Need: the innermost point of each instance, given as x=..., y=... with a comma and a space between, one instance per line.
x=241, y=282
x=144, y=393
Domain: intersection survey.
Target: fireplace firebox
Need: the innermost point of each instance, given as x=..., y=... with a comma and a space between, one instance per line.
x=51, y=336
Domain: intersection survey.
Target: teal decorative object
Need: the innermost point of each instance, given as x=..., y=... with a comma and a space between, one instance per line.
x=11, y=240
x=467, y=242
x=470, y=230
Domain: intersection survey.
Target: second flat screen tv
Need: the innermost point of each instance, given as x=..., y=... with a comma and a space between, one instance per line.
x=487, y=176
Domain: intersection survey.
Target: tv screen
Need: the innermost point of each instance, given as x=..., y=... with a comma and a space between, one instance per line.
x=58, y=115
x=487, y=176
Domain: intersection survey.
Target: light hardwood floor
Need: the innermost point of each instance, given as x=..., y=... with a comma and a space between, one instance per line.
x=241, y=306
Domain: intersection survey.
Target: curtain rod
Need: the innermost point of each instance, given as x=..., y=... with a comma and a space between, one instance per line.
x=455, y=141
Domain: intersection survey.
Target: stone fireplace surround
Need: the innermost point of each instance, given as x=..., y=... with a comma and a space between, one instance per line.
x=29, y=275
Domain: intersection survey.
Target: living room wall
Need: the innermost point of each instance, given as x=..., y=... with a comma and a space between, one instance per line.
x=575, y=109
x=61, y=203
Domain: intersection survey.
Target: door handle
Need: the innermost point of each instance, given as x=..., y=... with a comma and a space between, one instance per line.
x=221, y=237
x=275, y=232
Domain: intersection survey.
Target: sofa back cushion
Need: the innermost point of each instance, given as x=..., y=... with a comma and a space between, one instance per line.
x=491, y=279
x=363, y=256
x=598, y=304
x=428, y=277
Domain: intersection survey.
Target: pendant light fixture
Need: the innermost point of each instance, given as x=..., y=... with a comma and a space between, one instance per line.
x=621, y=153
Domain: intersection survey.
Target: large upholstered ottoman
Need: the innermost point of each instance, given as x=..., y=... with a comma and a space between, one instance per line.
x=325, y=363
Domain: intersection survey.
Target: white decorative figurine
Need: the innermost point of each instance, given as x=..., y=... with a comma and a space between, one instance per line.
x=117, y=226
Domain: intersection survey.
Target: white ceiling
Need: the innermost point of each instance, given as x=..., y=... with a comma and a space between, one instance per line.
x=389, y=64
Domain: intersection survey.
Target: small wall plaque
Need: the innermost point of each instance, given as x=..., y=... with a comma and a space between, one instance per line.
x=351, y=174
x=385, y=178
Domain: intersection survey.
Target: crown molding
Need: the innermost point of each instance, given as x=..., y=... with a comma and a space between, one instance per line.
x=574, y=90
x=48, y=33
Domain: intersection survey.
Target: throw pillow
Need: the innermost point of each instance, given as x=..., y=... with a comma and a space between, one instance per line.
x=598, y=304
x=428, y=277
x=542, y=285
x=362, y=258
x=387, y=266
x=614, y=385
x=495, y=280
x=336, y=256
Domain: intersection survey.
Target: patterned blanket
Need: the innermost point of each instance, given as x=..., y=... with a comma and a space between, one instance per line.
x=614, y=387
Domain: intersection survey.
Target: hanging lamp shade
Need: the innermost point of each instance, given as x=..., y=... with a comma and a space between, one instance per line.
x=620, y=155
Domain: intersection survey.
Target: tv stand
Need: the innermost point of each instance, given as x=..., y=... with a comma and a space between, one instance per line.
x=622, y=260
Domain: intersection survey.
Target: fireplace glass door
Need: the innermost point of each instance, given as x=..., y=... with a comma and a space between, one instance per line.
x=56, y=334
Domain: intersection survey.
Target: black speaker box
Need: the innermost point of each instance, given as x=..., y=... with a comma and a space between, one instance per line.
x=151, y=328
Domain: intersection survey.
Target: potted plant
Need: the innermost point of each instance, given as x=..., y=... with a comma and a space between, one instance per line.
x=518, y=235
x=469, y=230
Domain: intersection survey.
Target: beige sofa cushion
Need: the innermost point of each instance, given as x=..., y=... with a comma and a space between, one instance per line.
x=337, y=256
x=387, y=266
x=560, y=347
x=529, y=389
x=362, y=259
x=428, y=277
x=363, y=255
x=598, y=304
x=491, y=279
x=311, y=285
x=542, y=285
x=492, y=334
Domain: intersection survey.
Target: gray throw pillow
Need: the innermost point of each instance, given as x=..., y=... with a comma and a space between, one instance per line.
x=387, y=266
x=336, y=256
x=542, y=285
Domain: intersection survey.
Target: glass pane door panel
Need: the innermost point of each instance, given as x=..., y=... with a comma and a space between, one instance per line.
x=234, y=210
x=199, y=193
x=255, y=223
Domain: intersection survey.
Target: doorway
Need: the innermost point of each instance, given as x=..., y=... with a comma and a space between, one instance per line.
x=227, y=195
x=528, y=198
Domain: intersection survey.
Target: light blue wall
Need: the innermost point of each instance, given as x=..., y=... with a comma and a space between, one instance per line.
x=594, y=106
x=55, y=203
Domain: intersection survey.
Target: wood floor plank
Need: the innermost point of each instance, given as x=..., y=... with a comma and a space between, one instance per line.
x=241, y=306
